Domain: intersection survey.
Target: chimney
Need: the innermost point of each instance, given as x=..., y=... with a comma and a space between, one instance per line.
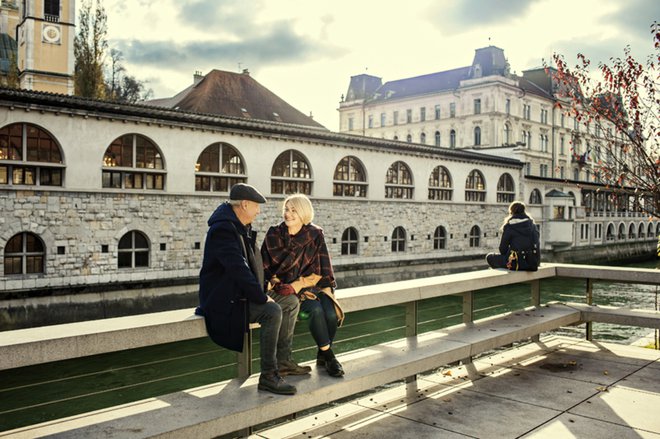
x=197, y=77
x=246, y=72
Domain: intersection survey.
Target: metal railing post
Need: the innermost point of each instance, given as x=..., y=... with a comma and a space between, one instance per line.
x=536, y=301
x=590, y=301
x=468, y=315
x=244, y=359
x=411, y=328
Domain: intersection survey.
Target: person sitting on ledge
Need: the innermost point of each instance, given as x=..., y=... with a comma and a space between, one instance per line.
x=519, y=246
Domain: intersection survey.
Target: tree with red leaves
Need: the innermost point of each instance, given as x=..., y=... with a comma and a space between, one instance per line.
x=620, y=113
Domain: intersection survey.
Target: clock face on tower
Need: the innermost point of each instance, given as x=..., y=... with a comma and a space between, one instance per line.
x=51, y=34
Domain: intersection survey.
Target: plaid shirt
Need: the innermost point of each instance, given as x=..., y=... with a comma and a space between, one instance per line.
x=290, y=257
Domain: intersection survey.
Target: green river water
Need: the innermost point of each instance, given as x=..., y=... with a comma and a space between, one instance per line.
x=38, y=393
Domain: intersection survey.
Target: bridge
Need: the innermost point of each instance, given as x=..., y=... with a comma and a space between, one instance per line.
x=235, y=406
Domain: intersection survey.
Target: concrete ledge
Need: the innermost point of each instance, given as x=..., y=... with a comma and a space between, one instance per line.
x=618, y=316
x=616, y=274
x=25, y=347
x=233, y=405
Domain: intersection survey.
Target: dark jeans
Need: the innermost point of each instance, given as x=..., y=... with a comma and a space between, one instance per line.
x=496, y=260
x=290, y=306
x=322, y=319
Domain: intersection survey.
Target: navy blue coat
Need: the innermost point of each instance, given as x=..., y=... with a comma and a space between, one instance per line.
x=520, y=234
x=229, y=279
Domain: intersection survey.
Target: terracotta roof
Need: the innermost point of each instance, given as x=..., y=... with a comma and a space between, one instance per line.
x=235, y=95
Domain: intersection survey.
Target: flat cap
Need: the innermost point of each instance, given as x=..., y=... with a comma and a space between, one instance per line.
x=242, y=191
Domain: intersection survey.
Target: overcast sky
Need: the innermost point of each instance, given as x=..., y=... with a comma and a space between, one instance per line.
x=305, y=51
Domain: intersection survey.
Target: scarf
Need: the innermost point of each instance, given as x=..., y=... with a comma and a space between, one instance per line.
x=290, y=257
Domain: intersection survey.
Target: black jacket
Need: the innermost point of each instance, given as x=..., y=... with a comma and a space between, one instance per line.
x=230, y=278
x=520, y=234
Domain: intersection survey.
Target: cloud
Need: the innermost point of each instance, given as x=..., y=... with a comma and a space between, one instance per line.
x=274, y=45
x=237, y=16
x=463, y=15
x=634, y=19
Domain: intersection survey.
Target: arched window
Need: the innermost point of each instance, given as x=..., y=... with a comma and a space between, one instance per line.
x=439, y=238
x=631, y=232
x=218, y=168
x=475, y=236
x=622, y=232
x=291, y=174
x=422, y=138
x=650, y=233
x=641, y=231
x=475, y=187
x=399, y=239
x=506, y=191
x=133, y=162
x=440, y=184
x=350, y=180
x=349, y=242
x=437, y=138
x=133, y=250
x=398, y=183
x=507, y=133
x=409, y=138
x=29, y=156
x=477, y=136
x=395, y=137
x=657, y=229
x=609, y=236
x=24, y=254
x=452, y=139
x=535, y=197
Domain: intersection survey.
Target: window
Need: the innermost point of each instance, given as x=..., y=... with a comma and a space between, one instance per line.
x=631, y=232
x=440, y=184
x=422, y=138
x=395, y=118
x=562, y=120
x=544, y=116
x=133, y=162
x=399, y=239
x=52, y=10
x=133, y=250
x=439, y=238
x=477, y=106
x=475, y=187
x=408, y=116
x=506, y=191
x=218, y=168
x=622, y=232
x=543, y=170
x=291, y=174
x=640, y=231
x=409, y=138
x=452, y=109
x=561, y=145
x=584, y=232
x=475, y=236
x=349, y=242
x=29, y=156
x=350, y=124
x=422, y=114
x=437, y=138
x=507, y=107
x=507, y=133
x=609, y=236
x=477, y=136
x=350, y=180
x=452, y=139
x=382, y=119
x=398, y=183
x=576, y=174
x=437, y=112
x=535, y=197
x=527, y=111
x=24, y=254
x=370, y=121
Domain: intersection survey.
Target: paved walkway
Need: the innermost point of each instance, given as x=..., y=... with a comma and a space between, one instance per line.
x=559, y=388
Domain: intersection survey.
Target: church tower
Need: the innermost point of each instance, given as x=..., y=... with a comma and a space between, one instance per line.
x=45, y=34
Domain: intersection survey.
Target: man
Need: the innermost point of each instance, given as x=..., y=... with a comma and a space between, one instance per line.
x=231, y=291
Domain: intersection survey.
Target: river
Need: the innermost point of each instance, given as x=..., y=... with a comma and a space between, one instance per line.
x=38, y=393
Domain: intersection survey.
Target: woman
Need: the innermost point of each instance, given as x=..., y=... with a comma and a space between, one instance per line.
x=296, y=261
x=519, y=246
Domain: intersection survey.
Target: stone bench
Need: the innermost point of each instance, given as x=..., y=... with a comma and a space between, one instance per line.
x=235, y=405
